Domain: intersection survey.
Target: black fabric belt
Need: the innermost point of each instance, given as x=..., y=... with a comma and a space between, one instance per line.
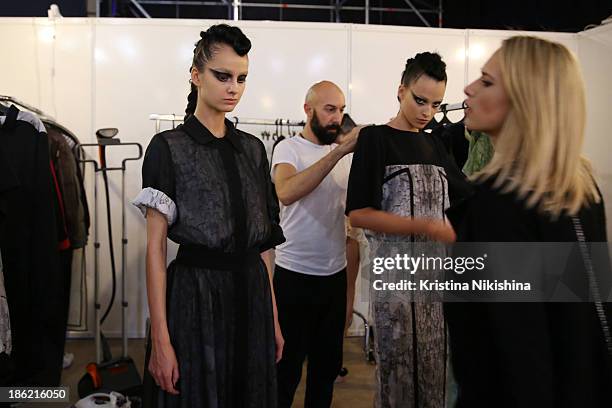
x=203, y=257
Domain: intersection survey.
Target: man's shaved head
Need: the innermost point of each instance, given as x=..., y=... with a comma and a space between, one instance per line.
x=320, y=91
x=324, y=106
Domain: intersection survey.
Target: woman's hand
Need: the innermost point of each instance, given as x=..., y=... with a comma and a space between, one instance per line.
x=441, y=231
x=279, y=340
x=164, y=367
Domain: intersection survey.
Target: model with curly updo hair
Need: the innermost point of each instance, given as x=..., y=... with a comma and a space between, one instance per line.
x=402, y=181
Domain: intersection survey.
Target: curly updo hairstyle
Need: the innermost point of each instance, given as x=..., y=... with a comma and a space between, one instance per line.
x=209, y=43
x=428, y=63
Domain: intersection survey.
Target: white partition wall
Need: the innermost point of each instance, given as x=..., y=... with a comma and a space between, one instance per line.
x=483, y=43
x=49, y=65
x=93, y=73
x=378, y=57
x=21, y=72
x=595, y=54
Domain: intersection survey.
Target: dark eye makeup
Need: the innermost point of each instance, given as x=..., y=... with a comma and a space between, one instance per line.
x=421, y=101
x=224, y=76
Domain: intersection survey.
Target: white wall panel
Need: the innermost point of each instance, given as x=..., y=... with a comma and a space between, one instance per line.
x=70, y=97
x=20, y=66
x=483, y=43
x=285, y=60
x=595, y=55
x=378, y=57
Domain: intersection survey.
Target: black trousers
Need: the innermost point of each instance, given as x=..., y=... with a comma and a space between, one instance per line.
x=311, y=313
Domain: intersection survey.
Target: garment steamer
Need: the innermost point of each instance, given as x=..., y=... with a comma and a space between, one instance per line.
x=108, y=374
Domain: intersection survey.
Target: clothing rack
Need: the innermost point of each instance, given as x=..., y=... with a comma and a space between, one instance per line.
x=174, y=118
x=72, y=142
x=46, y=119
x=5, y=98
x=158, y=118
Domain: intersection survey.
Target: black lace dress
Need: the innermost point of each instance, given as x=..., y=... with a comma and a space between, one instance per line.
x=217, y=196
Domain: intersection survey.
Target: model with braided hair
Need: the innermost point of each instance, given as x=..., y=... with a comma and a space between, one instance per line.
x=215, y=336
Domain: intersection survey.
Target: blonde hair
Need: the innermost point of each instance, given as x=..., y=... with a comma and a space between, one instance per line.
x=538, y=150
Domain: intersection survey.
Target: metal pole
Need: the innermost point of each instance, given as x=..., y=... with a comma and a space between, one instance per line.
x=339, y=5
x=97, y=271
x=337, y=11
x=367, y=11
x=124, y=242
x=98, y=8
x=140, y=8
x=440, y=14
x=229, y=8
x=330, y=7
x=416, y=11
x=236, y=10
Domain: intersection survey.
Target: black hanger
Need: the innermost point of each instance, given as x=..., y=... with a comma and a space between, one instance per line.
x=11, y=117
x=445, y=121
x=275, y=134
x=433, y=123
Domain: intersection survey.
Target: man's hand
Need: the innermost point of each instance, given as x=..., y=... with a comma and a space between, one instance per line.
x=348, y=141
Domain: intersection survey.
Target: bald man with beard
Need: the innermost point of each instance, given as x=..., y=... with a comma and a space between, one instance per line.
x=310, y=173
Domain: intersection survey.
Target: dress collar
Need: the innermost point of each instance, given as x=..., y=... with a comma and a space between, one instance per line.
x=202, y=135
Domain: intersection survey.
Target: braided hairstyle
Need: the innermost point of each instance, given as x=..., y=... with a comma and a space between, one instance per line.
x=209, y=43
x=428, y=63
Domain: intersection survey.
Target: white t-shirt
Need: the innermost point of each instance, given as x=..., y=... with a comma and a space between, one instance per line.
x=314, y=226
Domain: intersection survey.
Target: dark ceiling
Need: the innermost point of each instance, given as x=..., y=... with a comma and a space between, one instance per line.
x=536, y=15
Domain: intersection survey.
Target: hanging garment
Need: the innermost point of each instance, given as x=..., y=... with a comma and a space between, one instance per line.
x=452, y=136
x=5, y=322
x=28, y=242
x=77, y=310
x=480, y=152
x=75, y=217
x=70, y=187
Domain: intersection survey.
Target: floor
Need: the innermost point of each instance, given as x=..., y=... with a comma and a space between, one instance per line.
x=356, y=391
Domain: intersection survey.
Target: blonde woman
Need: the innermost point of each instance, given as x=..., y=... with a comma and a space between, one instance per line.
x=530, y=99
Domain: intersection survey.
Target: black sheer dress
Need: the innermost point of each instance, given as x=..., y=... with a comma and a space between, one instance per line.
x=217, y=196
